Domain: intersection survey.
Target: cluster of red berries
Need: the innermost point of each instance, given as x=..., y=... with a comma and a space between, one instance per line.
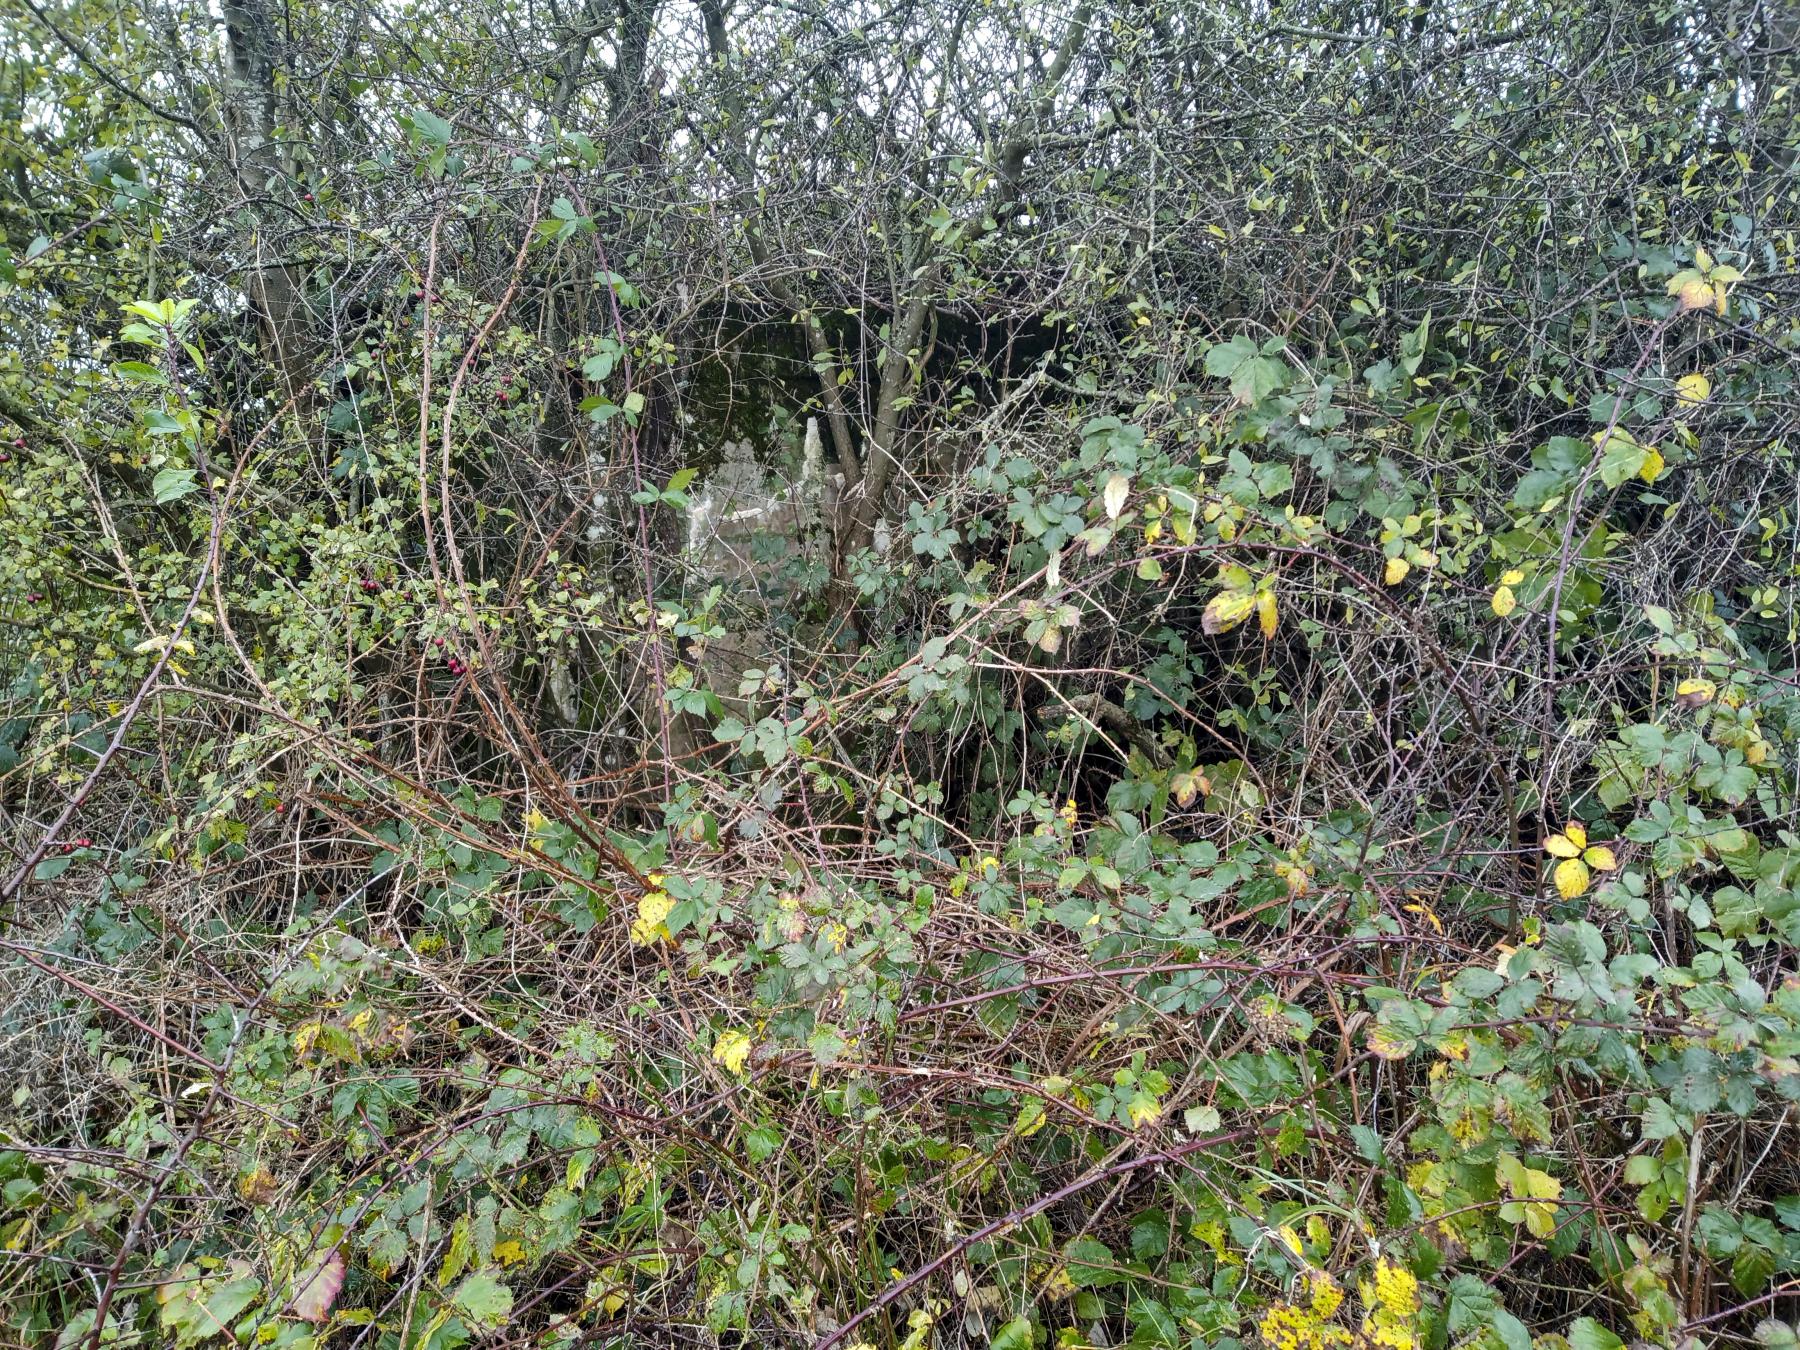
x=505, y=392
x=453, y=663
x=33, y=597
x=18, y=443
x=70, y=845
x=370, y=586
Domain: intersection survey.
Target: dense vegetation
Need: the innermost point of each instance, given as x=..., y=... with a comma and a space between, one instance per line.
x=899, y=673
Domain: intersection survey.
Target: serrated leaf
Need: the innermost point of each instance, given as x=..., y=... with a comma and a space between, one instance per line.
x=171, y=485
x=1561, y=846
x=1395, y=571
x=1504, y=601
x=484, y=1300
x=1571, y=878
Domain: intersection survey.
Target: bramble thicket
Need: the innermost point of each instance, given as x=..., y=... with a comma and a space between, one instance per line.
x=899, y=673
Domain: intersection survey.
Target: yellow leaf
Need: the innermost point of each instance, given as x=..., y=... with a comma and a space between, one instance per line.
x=1560, y=846
x=1395, y=571
x=1693, y=290
x=1600, y=858
x=1652, y=465
x=510, y=1252
x=1571, y=878
x=1226, y=611
x=1577, y=833
x=1695, y=692
x=1266, y=614
x=1504, y=601
x=1185, y=786
x=1512, y=576
x=653, y=909
x=732, y=1049
x=1693, y=388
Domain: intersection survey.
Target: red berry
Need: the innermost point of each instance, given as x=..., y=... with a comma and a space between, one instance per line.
x=33, y=598
x=437, y=642
x=5, y=458
x=306, y=197
x=84, y=842
x=18, y=442
x=281, y=808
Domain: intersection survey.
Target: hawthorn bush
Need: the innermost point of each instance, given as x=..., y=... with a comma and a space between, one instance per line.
x=935, y=674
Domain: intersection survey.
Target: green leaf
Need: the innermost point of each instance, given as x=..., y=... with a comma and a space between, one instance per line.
x=171, y=485
x=431, y=128
x=1587, y=1334
x=1091, y=1264
x=483, y=1299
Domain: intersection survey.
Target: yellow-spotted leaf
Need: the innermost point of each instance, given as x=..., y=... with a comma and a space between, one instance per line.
x=649, y=925
x=1395, y=571
x=1576, y=833
x=1504, y=601
x=1226, y=611
x=1571, y=878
